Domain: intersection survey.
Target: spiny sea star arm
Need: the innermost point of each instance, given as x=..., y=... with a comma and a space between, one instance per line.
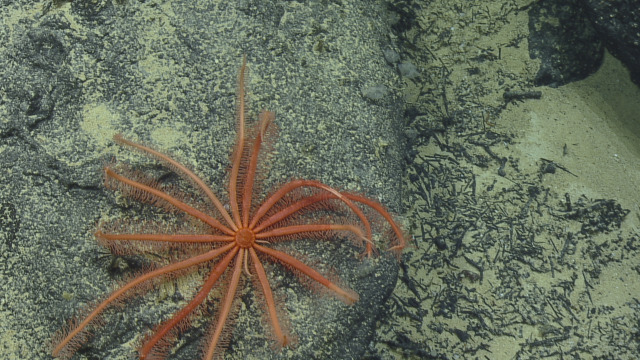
x=297, y=229
x=164, y=237
x=65, y=345
x=223, y=314
x=290, y=186
x=283, y=340
x=161, y=331
x=292, y=209
x=265, y=118
x=347, y=296
x=175, y=202
x=176, y=166
x=398, y=245
x=401, y=242
x=238, y=152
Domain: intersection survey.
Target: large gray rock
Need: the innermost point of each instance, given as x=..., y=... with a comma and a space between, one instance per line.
x=74, y=74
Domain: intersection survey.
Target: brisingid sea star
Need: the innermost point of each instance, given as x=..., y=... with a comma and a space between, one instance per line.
x=215, y=237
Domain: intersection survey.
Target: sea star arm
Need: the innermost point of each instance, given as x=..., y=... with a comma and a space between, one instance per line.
x=401, y=242
x=290, y=186
x=174, y=165
x=282, y=339
x=67, y=342
x=223, y=314
x=164, y=237
x=175, y=202
x=398, y=245
x=347, y=296
x=238, y=152
x=165, y=328
x=309, y=228
x=266, y=117
x=292, y=209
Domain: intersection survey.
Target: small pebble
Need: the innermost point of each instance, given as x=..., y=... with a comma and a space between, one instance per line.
x=375, y=92
x=408, y=70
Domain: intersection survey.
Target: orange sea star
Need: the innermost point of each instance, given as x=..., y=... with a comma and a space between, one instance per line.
x=238, y=236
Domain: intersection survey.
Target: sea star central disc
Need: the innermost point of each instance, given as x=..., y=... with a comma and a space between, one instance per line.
x=245, y=238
